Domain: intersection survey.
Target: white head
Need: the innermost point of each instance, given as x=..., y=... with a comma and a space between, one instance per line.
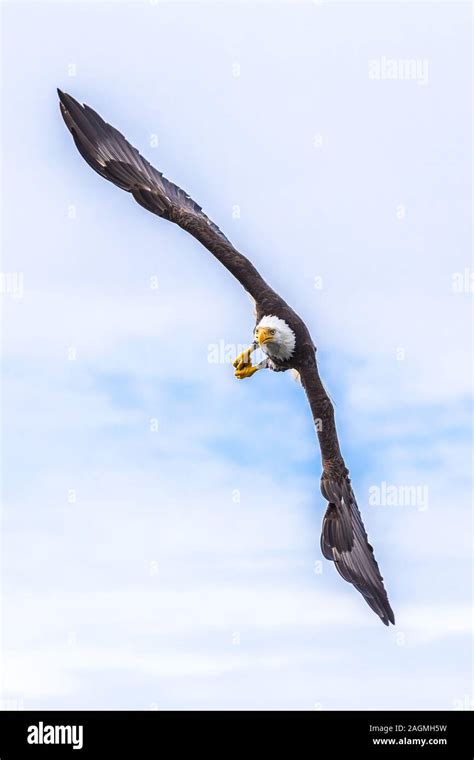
x=275, y=337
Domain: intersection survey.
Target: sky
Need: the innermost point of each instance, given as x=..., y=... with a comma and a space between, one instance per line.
x=160, y=519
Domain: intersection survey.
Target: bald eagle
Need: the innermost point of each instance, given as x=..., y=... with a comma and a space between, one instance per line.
x=279, y=332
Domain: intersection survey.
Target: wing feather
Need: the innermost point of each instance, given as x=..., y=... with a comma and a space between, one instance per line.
x=107, y=151
x=344, y=540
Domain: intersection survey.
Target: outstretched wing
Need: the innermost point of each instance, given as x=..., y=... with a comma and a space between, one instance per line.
x=343, y=536
x=108, y=152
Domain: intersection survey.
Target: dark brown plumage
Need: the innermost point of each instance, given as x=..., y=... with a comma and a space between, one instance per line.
x=343, y=540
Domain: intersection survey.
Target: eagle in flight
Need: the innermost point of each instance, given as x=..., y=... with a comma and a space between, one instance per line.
x=280, y=333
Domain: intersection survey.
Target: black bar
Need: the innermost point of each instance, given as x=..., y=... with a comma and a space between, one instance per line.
x=165, y=734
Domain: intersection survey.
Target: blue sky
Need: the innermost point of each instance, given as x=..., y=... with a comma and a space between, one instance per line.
x=161, y=519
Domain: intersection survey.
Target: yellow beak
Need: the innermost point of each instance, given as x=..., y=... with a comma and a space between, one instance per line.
x=264, y=335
